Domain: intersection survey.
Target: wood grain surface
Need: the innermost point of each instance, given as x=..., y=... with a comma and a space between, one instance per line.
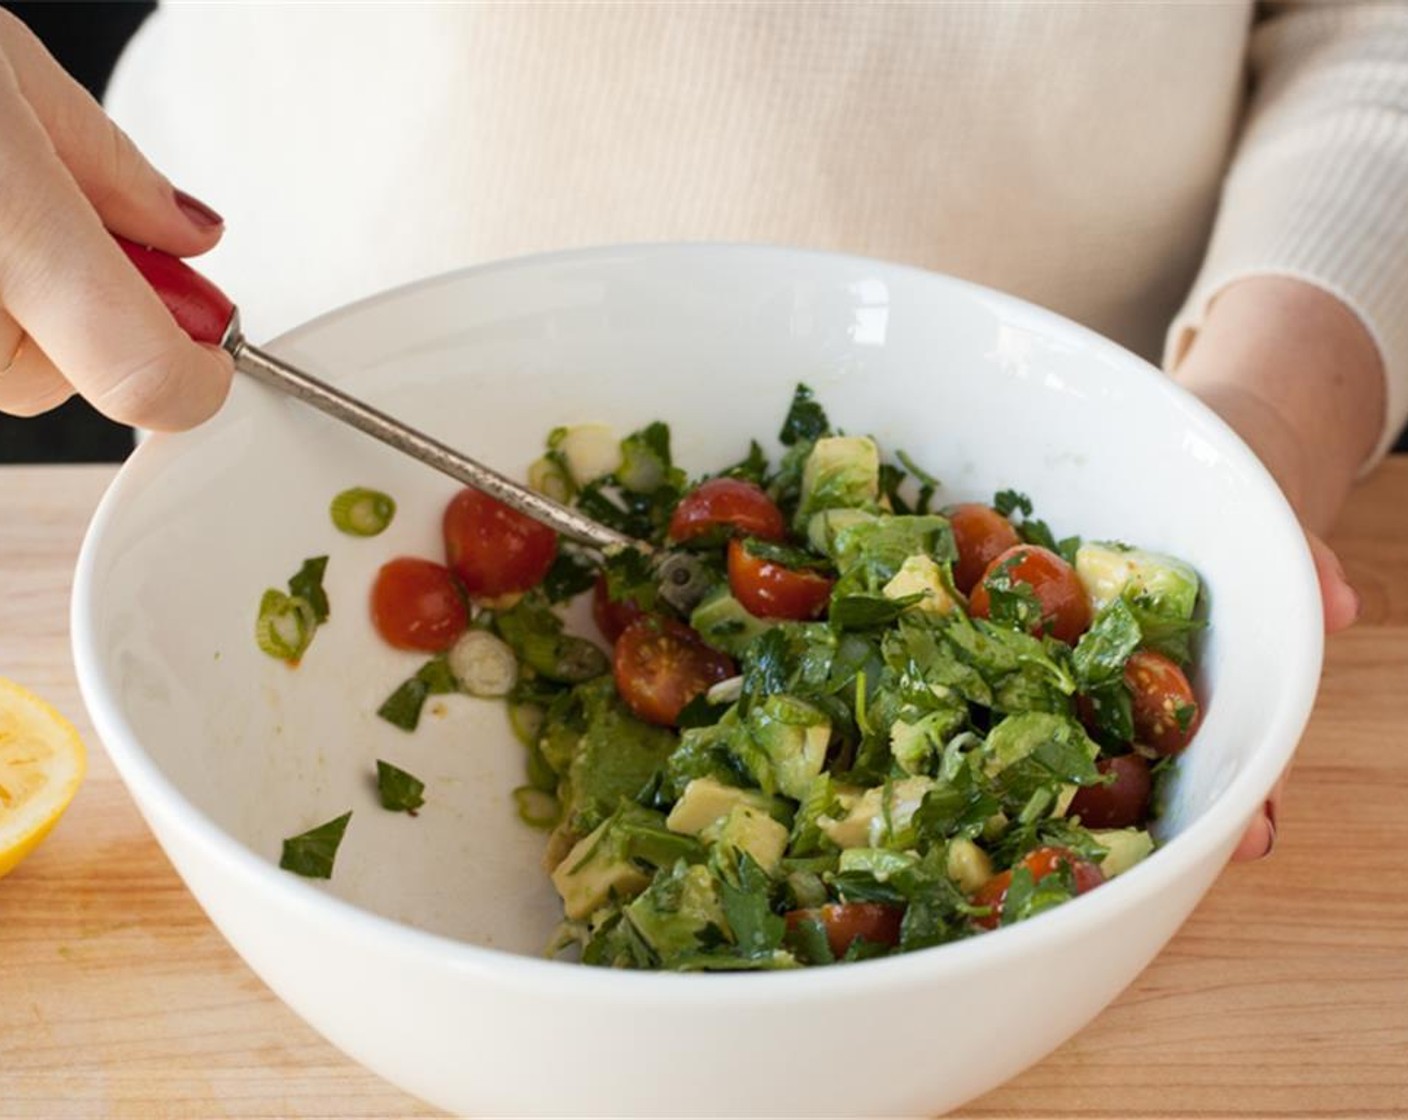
x=1285, y=995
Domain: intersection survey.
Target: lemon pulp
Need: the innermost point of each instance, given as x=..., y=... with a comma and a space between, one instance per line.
x=42, y=762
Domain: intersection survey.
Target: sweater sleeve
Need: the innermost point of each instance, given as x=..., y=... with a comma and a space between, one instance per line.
x=1318, y=185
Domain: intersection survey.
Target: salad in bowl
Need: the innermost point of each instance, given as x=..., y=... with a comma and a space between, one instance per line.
x=956, y=732
x=877, y=722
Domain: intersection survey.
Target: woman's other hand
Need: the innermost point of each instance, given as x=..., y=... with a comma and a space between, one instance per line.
x=1295, y=372
x=75, y=316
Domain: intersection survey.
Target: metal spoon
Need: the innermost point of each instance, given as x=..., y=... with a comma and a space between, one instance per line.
x=208, y=315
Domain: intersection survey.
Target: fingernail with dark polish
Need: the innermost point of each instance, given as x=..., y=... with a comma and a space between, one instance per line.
x=198, y=212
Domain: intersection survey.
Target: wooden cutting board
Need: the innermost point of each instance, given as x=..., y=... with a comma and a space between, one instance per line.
x=1285, y=995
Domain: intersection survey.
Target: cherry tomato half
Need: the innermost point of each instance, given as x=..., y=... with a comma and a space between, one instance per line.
x=611, y=617
x=493, y=549
x=770, y=590
x=416, y=604
x=846, y=922
x=1041, y=862
x=982, y=535
x=727, y=503
x=1124, y=803
x=1065, y=610
x=1165, y=710
x=661, y=665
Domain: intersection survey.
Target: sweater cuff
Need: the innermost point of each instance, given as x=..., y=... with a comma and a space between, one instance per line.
x=1329, y=214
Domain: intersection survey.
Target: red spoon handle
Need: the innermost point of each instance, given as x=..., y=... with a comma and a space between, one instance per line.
x=203, y=311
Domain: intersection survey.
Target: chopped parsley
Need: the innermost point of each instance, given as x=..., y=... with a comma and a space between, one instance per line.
x=399, y=791
x=312, y=853
x=878, y=765
x=307, y=584
x=1033, y=530
x=571, y=574
x=403, y=707
x=806, y=420
x=1012, y=601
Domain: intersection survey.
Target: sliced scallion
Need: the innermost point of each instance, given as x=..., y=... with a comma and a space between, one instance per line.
x=285, y=625
x=541, y=775
x=483, y=664
x=564, y=657
x=527, y=722
x=547, y=477
x=361, y=512
x=570, y=575
x=536, y=808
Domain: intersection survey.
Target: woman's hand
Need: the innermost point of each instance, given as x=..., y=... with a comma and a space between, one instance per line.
x=75, y=316
x=1300, y=379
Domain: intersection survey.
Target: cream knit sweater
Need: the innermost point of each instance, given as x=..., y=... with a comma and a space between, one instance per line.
x=1076, y=154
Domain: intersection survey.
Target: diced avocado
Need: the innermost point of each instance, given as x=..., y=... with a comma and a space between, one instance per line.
x=1167, y=584
x=916, y=742
x=967, y=864
x=707, y=801
x=872, y=552
x=1124, y=847
x=1017, y=736
x=561, y=840
x=750, y=829
x=557, y=742
x=614, y=759
x=706, y=752
x=793, y=736
x=590, y=451
x=892, y=827
x=876, y=820
x=879, y=863
x=824, y=802
x=841, y=472
x=647, y=838
x=724, y=622
x=920, y=575
x=823, y=527
x=597, y=869
x=851, y=828
x=910, y=745
x=679, y=906
x=807, y=889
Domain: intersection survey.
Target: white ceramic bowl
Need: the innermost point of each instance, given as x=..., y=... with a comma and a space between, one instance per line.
x=421, y=958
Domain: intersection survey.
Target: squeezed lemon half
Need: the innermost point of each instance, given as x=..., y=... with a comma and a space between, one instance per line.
x=42, y=762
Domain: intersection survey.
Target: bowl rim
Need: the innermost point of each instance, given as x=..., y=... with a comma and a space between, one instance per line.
x=157, y=795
